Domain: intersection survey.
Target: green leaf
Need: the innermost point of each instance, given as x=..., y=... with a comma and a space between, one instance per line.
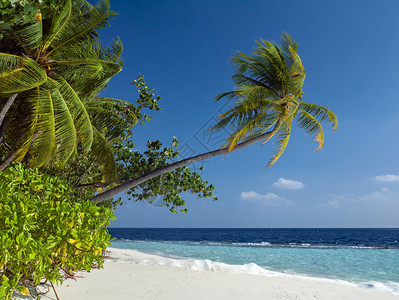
x=18, y=74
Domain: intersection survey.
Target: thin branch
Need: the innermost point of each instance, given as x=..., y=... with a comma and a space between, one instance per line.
x=55, y=292
x=93, y=185
x=6, y=145
x=84, y=172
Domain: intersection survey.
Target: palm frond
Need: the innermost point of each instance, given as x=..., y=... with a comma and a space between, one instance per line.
x=295, y=67
x=227, y=95
x=113, y=51
x=267, y=67
x=111, y=117
x=23, y=120
x=78, y=111
x=65, y=131
x=262, y=129
x=83, y=26
x=283, y=136
x=298, y=74
x=89, y=61
x=89, y=53
x=30, y=36
x=288, y=46
x=311, y=126
x=321, y=113
x=42, y=148
x=19, y=74
x=58, y=23
x=51, y=125
x=249, y=127
x=251, y=92
x=266, y=80
x=104, y=156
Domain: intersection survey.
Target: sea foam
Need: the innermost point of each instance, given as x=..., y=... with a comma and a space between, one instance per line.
x=158, y=259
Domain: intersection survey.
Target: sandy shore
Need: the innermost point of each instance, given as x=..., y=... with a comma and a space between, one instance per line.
x=121, y=278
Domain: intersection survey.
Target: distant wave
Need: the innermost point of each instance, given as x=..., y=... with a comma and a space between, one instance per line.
x=264, y=244
x=142, y=258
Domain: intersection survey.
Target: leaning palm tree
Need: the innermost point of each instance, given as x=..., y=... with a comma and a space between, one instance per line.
x=266, y=101
x=49, y=70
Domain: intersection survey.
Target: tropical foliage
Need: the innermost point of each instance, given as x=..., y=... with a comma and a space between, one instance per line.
x=18, y=12
x=268, y=96
x=57, y=67
x=86, y=175
x=167, y=188
x=44, y=234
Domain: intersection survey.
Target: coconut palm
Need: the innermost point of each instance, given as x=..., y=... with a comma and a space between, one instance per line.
x=268, y=94
x=49, y=70
x=267, y=99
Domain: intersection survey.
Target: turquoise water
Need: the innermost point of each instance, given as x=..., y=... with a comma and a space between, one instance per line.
x=364, y=266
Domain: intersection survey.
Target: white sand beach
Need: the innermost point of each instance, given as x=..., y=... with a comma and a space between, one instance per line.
x=123, y=278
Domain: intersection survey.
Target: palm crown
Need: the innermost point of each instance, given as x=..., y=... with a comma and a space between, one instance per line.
x=57, y=68
x=268, y=94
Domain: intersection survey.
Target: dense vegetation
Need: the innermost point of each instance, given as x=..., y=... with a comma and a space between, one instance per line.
x=44, y=233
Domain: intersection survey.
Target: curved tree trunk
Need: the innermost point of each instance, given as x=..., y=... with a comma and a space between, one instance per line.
x=7, y=161
x=6, y=107
x=4, y=164
x=3, y=125
x=179, y=164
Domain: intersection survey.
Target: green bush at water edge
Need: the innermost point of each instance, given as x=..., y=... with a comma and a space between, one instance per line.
x=44, y=234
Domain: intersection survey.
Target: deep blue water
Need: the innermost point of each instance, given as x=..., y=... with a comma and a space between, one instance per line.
x=367, y=257
x=376, y=238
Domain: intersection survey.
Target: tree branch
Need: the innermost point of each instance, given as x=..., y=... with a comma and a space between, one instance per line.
x=179, y=164
x=93, y=185
x=84, y=172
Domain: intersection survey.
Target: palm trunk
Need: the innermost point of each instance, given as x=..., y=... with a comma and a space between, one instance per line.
x=179, y=164
x=7, y=161
x=6, y=107
x=3, y=127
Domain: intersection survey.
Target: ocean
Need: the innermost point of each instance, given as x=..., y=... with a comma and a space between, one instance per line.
x=368, y=258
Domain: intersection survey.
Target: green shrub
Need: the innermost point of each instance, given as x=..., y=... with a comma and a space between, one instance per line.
x=44, y=234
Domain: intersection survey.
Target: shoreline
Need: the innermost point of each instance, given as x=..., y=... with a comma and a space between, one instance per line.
x=122, y=278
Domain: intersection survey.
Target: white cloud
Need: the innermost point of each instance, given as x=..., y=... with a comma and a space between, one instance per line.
x=377, y=197
x=387, y=178
x=336, y=201
x=269, y=199
x=288, y=184
x=250, y=195
x=334, y=204
x=330, y=204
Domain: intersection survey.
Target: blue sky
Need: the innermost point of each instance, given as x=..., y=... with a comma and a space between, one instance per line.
x=350, y=52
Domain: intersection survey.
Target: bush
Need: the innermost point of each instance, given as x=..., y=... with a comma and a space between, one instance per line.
x=44, y=234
